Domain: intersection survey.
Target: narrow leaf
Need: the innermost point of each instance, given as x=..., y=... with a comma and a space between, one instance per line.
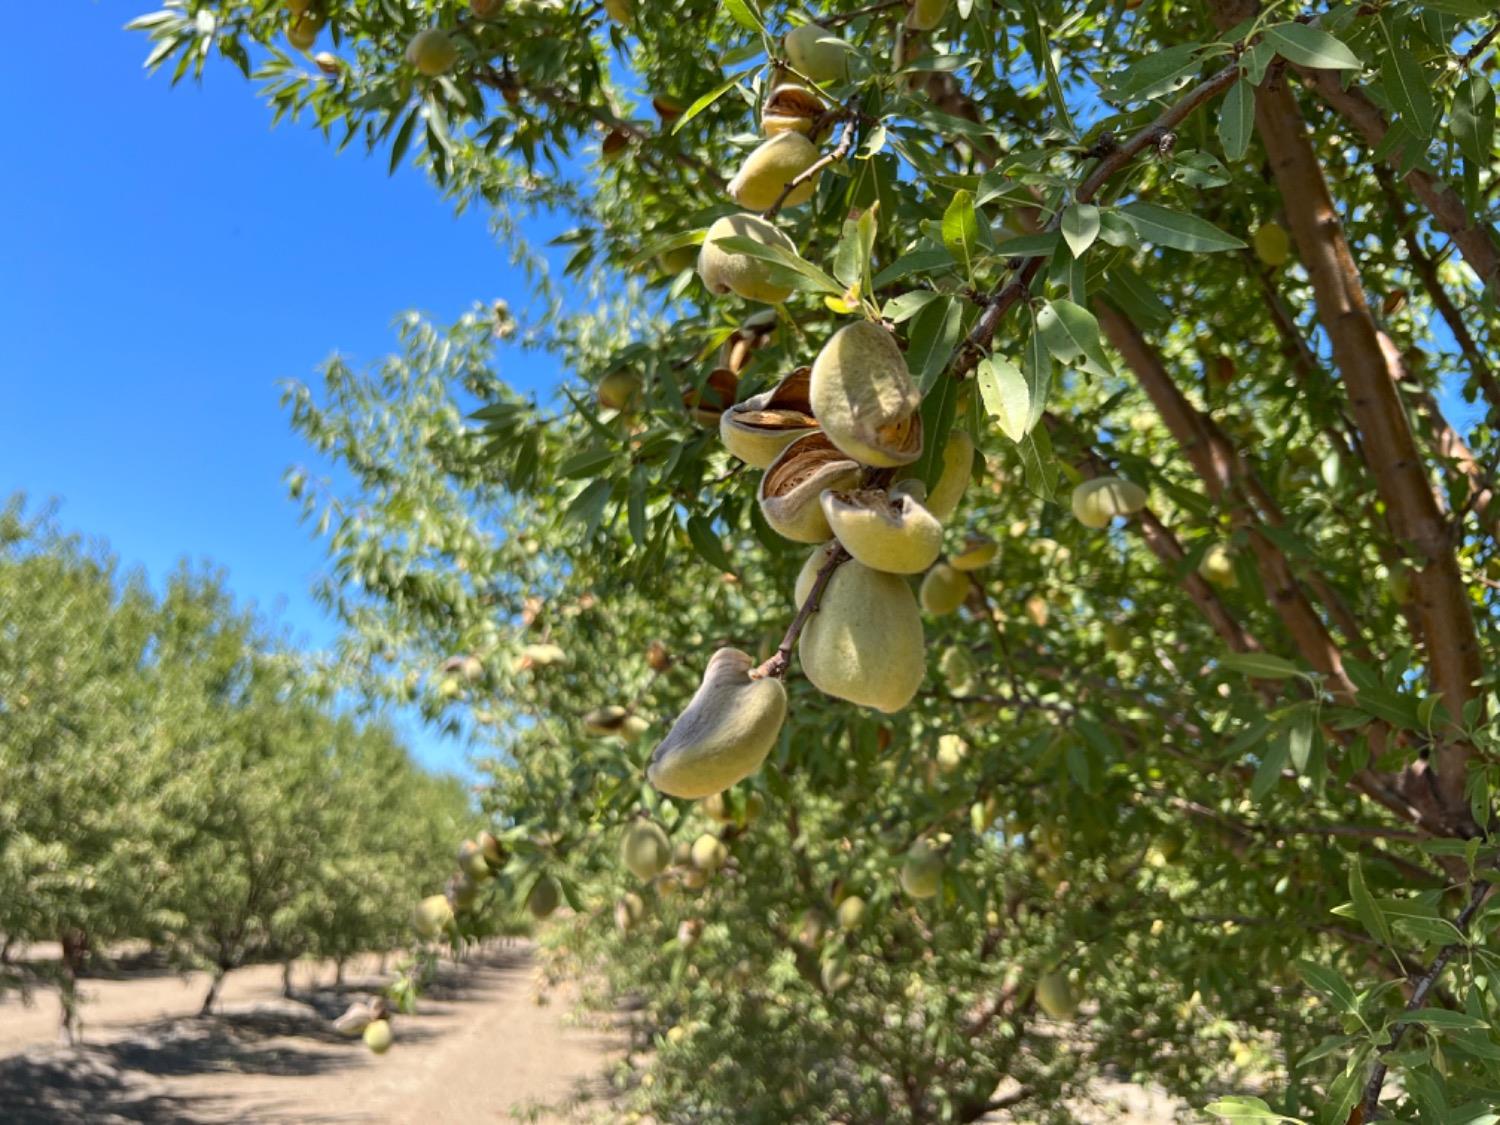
x=1006, y=396
x=1308, y=46
x=1080, y=226
x=1237, y=120
x=1174, y=229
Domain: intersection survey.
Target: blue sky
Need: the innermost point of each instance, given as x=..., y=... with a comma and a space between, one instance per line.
x=166, y=258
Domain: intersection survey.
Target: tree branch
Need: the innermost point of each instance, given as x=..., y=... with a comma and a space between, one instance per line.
x=1474, y=240
x=1419, y=993
x=781, y=659
x=1369, y=380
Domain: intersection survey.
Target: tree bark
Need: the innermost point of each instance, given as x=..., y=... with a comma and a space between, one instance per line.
x=1370, y=380
x=1475, y=241
x=212, y=998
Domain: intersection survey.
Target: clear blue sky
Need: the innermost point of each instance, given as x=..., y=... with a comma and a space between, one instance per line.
x=165, y=259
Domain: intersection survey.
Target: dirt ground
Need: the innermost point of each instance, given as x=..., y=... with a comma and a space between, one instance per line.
x=479, y=1050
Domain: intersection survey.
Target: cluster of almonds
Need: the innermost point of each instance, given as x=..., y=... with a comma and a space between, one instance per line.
x=837, y=442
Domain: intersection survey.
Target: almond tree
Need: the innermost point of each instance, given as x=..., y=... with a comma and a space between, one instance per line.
x=1195, y=304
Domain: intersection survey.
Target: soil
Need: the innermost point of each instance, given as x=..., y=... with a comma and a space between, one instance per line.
x=480, y=1049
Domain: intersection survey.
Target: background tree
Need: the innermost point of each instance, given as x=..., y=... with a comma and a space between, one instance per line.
x=1226, y=763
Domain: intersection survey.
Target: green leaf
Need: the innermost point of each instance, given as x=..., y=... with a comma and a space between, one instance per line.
x=933, y=336
x=927, y=260
x=701, y=532
x=663, y=245
x=588, y=507
x=1039, y=462
x=1135, y=297
x=961, y=230
x=1470, y=9
x=907, y=305
x=1071, y=332
x=1365, y=910
x=1157, y=73
x=1237, y=120
x=1006, y=396
x=1244, y=1108
x=1308, y=46
x=1329, y=983
x=1268, y=773
x=1445, y=1018
x=1406, y=86
x=744, y=15
x=403, y=138
x=1080, y=226
x=795, y=269
x=1473, y=119
x=1029, y=245
x=707, y=100
x=585, y=463
x=1178, y=231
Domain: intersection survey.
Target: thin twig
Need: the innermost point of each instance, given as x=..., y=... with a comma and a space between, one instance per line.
x=979, y=337
x=869, y=9
x=781, y=659
x=841, y=150
x=1419, y=993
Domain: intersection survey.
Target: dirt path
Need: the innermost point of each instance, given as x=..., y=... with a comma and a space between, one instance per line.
x=479, y=1050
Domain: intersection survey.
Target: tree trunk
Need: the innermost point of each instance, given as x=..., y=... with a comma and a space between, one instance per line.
x=74, y=949
x=220, y=972
x=286, y=978
x=1370, y=375
x=338, y=971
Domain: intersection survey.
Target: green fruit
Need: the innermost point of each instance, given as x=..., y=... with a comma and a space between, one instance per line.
x=1116, y=637
x=758, y=429
x=924, y=15
x=851, y=913
x=1055, y=995
x=724, y=733
x=944, y=589
x=791, y=488
x=629, y=911
x=816, y=52
x=644, y=849
x=433, y=915
x=755, y=805
x=835, y=975
x=979, y=551
x=958, y=466
x=620, y=390
x=1217, y=567
x=952, y=750
x=1272, y=246
x=378, y=1036
x=471, y=861
x=725, y=271
x=432, y=52
x=621, y=11
x=673, y=262
x=1097, y=501
x=302, y=30
x=863, y=396
x=889, y=532
x=709, y=853
x=922, y=873
x=490, y=848
x=767, y=171
x=865, y=643
x=544, y=897
x=717, y=807
x=956, y=664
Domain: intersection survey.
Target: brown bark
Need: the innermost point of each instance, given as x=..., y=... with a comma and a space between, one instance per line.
x=1370, y=380
x=1223, y=472
x=1475, y=241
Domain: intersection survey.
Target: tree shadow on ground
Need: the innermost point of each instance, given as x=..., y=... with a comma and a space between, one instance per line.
x=129, y=1079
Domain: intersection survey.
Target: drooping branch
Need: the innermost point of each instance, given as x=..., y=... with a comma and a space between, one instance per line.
x=1419, y=993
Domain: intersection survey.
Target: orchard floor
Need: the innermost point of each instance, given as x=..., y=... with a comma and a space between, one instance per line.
x=479, y=1050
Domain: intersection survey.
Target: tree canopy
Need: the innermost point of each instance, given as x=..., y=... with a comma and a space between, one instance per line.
x=1177, y=318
